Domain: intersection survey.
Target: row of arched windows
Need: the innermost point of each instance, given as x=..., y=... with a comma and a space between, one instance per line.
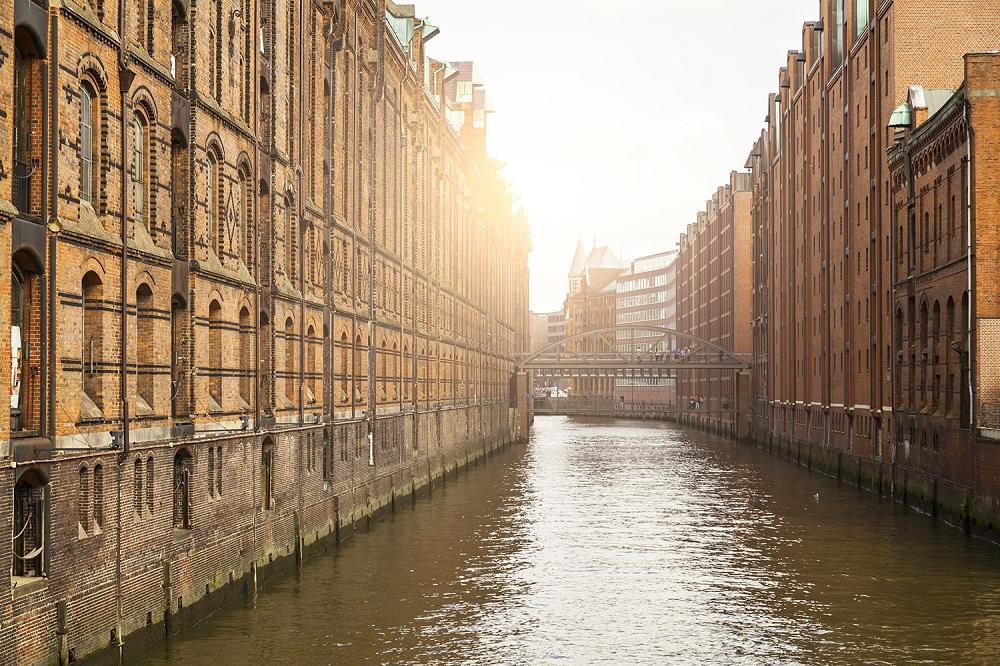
x=932, y=343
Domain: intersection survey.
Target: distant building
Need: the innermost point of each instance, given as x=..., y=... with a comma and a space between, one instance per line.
x=556, y=326
x=646, y=294
x=714, y=281
x=539, y=332
x=590, y=306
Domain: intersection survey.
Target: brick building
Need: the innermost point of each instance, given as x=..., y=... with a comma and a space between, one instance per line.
x=302, y=295
x=646, y=296
x=590, y=306
x=826, y=247
x=714, y=277
x=539, y=331
x=944, y=173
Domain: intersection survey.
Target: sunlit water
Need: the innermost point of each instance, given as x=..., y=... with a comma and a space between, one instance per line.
x=618, y=542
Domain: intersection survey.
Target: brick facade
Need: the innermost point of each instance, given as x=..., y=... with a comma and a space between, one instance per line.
x=714, y=271
x=829, y=275
x=307, y=233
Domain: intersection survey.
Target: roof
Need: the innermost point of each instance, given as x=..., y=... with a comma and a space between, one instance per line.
x=603, y=257
x=579, y=264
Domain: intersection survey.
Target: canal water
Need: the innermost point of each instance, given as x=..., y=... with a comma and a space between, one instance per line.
x=619, y=542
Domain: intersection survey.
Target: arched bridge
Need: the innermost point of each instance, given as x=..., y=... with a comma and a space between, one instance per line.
x=634, y=354
x=655, y=352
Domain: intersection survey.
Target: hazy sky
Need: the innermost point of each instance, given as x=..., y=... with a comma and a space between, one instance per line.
x=618, y=119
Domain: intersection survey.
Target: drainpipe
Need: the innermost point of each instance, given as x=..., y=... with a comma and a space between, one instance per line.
x=376, y=97
x=969, y=265
x=54, y=225
x=125, y=78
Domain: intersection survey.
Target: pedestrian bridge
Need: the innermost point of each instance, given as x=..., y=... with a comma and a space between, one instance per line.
x=629, y=351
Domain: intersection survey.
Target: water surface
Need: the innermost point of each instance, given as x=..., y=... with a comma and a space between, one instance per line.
x=612, y=541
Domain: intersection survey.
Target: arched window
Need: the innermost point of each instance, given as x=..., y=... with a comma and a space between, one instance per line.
x=210, y=477
x=244, y=225
x=98, y=496
x=92, y=348
x=183, y=471
x=267, y=475
x=359, y=369
x=290, y=361
x=212, y=203
x=246, y=358
x=214, y=49
x=218, y=471
x=311, y=375
x=26, y=156
x=345, y=370
x=149, y=484
x=291, y=241
x=178, y=341
x=935, y=353
x=137, y=487
x=215, y=354
x=83, y=499
x=395, y=371
x=145, y=356
x=964, y=400
x=146, y=24
x=89, y=142
x=31, y=505
x=25, y=328
x=290, y=62
x=140, y=168
x=178, y=43
x=949, y=364
x=245, y=63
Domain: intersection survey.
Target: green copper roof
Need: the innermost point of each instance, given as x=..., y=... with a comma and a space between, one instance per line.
x=902, y=116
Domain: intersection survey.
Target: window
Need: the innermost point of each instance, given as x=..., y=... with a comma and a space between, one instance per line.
x=137, y=487
x=311, y=380
x=836, y=33
x=88, y=143
x=98, y=496
x=31, y=504
x=215, y=355
x=244, y=233
x=183, y=466
x=214, y=50
x=860, y=16
x=25, y=323
x=149, y=485
x=290, y=360
x=344, y=369
x=177, y=344
x=212, y=204
x=92, y=349
x=290, y=242
x=266, y=473
x=83, y=499
x=146, y=21
x=210, y=477
x=246, y=358
x=140, y=177
x=327, y=455
x=145, y=357
x=218, y=471
x=25, y=176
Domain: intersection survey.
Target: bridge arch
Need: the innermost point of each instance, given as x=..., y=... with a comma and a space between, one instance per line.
x=696, y=352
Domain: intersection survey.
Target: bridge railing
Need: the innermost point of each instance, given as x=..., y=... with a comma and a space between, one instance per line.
x=609, y=403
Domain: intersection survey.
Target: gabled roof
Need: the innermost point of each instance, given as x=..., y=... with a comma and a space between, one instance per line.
x=579, y=260
x=603, y=257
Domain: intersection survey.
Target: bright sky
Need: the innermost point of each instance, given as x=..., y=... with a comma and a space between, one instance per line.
x=618, y=119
